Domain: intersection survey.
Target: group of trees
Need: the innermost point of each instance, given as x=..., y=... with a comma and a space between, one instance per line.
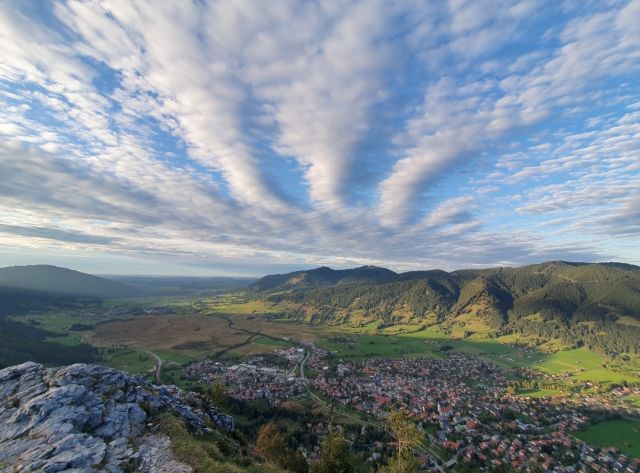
x=336, y=455
x=272, y=447
x=606, y=337
x=20, y=342
x=417, y=297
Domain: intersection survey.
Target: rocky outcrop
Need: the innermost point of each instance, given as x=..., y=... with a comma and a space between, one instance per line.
x=86, y=418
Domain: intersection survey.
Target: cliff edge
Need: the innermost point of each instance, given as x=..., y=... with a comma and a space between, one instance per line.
x=87, y=418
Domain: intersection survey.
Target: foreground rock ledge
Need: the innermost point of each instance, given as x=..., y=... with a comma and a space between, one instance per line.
x=85, y=418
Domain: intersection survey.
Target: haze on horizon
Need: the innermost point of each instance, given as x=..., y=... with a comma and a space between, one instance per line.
x=243, y=138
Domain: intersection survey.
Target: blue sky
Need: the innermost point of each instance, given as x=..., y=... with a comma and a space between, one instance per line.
x=250, y=137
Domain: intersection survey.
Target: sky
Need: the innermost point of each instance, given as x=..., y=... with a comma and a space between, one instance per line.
x=250, y=137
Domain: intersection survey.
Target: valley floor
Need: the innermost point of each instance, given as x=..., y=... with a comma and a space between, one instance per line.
x=473, y=394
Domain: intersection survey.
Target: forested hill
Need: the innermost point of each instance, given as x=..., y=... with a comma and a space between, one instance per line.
x=56, y=280
x=596, y=304
x=323, y=277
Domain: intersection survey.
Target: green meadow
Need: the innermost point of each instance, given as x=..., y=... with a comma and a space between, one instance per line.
x=127, y=359
x=581, y=364
x=540, y=392
x=585, y=365
x=621, y=434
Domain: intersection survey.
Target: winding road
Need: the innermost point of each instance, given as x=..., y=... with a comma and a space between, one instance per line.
x=158, y=363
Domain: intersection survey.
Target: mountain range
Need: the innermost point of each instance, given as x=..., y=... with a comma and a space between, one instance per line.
x=597, y=304
x=592, y=304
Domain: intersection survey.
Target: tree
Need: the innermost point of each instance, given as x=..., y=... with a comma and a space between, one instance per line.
x=407, y=437
x=218, y=393
x=272, y=447
x=270, y=444
x=335, y=456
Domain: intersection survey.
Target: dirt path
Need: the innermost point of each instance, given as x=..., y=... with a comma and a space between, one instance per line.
x=158, y=363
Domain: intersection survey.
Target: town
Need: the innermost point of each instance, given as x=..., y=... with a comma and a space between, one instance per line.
x=463, y=404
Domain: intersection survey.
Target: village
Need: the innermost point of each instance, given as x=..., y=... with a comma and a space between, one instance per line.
x=462, y=403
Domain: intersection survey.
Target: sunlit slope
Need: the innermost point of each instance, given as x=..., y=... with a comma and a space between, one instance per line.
x=574, y=302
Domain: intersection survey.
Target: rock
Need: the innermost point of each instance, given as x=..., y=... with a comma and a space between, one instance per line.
x=87, y=418
x=156, y=456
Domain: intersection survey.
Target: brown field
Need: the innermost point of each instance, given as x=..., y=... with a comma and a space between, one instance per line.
x=190, y=333
x=257, y=323
x=195, y=335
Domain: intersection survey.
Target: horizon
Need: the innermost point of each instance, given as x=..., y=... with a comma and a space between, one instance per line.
x=261, y=275
x=221, y=139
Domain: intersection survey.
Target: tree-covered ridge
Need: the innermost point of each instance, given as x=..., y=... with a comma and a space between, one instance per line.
x=322, y=277
x=596, y=304
x=56, y=280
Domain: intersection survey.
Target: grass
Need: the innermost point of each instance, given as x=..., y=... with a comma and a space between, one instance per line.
x=584, y=365
x=426, y=342
x=352, y=346
x=57, y=322
x=270, y=342
x=633, y=401
x=237, y=305
x=581, y=364
x=211, y=453
x=65, y=340
x=127, y=359
x=239, y=326
x=540, y=393
x=621, y=434
x=168, y=356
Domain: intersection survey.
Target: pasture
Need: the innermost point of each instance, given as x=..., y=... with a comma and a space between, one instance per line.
x=621, y=434
x=584, y=365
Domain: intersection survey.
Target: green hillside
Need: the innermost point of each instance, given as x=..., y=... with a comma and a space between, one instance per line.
x=56, y=280
x=592, y=304
x=323, y=277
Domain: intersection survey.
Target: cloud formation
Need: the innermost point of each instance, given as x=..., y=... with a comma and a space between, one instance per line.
x=341, y=132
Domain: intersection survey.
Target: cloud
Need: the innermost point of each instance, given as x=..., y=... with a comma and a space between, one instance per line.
x=54, y=234
x=339, y=132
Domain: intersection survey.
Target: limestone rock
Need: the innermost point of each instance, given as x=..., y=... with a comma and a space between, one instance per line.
x=87, y=418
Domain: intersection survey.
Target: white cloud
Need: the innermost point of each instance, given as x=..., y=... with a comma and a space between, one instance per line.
x=391, y=112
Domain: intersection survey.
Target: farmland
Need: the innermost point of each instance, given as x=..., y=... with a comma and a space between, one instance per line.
x=232, y=326
x=621, y=434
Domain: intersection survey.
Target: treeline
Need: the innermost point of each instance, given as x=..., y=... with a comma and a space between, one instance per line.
x=606, y=337
x=416, y=297
x=15, y=301
x=21, y=342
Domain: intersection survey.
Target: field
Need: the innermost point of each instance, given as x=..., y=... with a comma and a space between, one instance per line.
x=581, y=365
x=189, y=334
x=540, y=392
x=185, y=337
x=426, y=342
x=58, y=322
x=584, y=365
x=229, y=304
x=622, y=434
x=126, y=359
x=232, y=326
x=350, y=346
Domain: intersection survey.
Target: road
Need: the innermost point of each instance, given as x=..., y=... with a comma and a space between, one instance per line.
x=440, y=464
x=319, y=400
x=158, y=364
